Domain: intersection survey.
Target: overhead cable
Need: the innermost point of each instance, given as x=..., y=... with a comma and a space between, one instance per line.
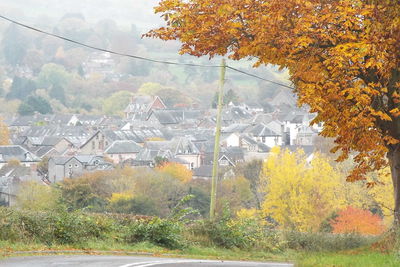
x=135, y=56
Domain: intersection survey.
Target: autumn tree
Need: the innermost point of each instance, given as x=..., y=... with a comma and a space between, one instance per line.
x=354, y=220
x=299, y=196
x=342, y=56
x=38, y=197
x=4, y=133
x=177, y=171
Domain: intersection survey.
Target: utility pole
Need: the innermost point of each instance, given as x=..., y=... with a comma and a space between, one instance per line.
x=213, y=202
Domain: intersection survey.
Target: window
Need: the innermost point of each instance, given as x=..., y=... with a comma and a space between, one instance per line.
x=224, y=162
x=76, y=165
x=93, y=145
x=263, y=139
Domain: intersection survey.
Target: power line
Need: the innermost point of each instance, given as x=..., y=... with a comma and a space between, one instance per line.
x=102, y=49
x=135, y=56
x=258, y=77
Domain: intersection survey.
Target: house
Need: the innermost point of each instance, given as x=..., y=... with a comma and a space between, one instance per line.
x=69, y=167
x=230, y=139
x=142, y=105
x=235, y=114
x=228, y=156
x=253, y=107
x=15, y=152
x=95, y=145
x=122, y=150
x=59, y=143
x=22, y=123
x=266, y=134
x=297, y=121
x=181, y=148
x=173, y=117
x=305, y=136
x=185, y=150
x=148, y=157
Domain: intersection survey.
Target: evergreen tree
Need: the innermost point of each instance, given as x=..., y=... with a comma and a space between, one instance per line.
x=21, y=88
x=57, y=92
x=34, y=103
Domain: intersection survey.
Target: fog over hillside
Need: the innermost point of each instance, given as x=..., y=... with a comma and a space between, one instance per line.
x=86, y=79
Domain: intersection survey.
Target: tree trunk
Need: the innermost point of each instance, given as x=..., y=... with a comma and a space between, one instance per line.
x=394, y=162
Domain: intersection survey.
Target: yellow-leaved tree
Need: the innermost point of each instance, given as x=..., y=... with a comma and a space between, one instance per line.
x=4, y=133
x=300, y=195
x=37, y=197
x=177, y=171
x=342, y=57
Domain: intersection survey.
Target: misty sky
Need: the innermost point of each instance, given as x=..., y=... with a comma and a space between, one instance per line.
x=124, y=12
x=45, y=14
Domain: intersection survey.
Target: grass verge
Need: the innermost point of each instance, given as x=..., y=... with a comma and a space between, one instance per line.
x=364, y=258
x=12, y=249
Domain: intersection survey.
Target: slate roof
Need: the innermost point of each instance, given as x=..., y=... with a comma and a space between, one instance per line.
x=139, y=104
x=178, y=146
x=52, y=140
x=204, y=171
x=137, y=135
x=178, y=160
x=175, y=116
x=54, y=130
x=236, y=114
x=261, y=130
x=43, y=150
x=84, y=159
x=19, y=140
x=183, y=145
x=236, y=128
x=149, y=154
x=30, y=120
x=263, y=147
x=123, y=147
x=168, y=116
x=16, y=152
x=234, y=154
x=61, y=119
x=248, y=139
x=85, y=119
x=9, y=171
x=262, y=118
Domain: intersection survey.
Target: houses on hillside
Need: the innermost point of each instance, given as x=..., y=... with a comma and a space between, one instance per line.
x=150, y=131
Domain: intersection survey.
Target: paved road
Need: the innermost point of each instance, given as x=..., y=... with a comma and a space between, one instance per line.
x=124, y=261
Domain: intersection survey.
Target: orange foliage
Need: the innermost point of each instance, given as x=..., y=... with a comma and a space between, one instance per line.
x=177, y=171
x=342, y=57
x=354, y=220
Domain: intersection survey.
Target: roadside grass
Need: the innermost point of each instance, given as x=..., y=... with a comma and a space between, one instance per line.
x=12, y=249
x=353, y=258
x=364, y=258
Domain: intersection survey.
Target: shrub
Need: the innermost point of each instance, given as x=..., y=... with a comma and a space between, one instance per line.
x=229, y=233
x=49, y=228
x=158, y=231
x=325, y=241
x=354, y=220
